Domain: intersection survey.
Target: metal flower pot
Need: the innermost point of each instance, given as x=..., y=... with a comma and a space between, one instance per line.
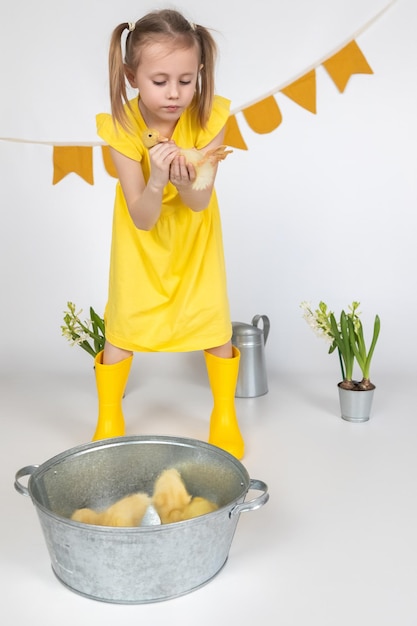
x=150, y=562
x=355, y=404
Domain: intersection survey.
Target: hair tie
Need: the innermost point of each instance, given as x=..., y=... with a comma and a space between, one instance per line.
x=193, y=26
x=131, y=26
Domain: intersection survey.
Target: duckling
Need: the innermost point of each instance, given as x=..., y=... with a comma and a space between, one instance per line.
x=204, y=162
x=198, y=506
x=170, y=496
x=128, y=511
x=86, y=516
x=172, y=501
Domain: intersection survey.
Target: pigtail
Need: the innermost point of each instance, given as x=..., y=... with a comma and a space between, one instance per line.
x=117, y=76
x=205, y=86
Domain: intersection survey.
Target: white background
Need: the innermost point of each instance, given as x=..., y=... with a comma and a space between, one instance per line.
x=320, y=209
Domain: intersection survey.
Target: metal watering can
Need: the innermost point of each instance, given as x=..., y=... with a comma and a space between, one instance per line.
x=250, y=341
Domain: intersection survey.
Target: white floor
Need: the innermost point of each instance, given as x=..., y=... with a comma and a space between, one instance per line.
x=336, y=544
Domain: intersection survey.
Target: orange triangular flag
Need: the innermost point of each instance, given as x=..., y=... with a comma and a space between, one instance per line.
x=77, y=159
x=303, y=91
x=264, y=116
x=108, y=161
x=233, y=136
x=349, y=60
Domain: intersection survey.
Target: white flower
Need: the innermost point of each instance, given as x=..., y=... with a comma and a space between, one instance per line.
x=318, y=320
x=89, y=334
x=77, y=340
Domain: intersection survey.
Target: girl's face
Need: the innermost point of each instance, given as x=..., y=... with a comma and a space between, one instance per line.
x=166, y=78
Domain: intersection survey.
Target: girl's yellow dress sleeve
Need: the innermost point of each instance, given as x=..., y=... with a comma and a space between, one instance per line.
x=118, y=138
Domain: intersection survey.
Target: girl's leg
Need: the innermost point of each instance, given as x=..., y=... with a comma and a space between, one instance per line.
x=112, y=354
x=223, y=367
x=225, y=351
x=112, y=367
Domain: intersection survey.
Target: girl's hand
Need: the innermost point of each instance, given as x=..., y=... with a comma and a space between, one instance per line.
x=181, y=174
x=162, y=155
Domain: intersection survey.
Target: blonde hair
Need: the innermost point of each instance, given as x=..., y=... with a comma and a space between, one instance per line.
x=156, y=26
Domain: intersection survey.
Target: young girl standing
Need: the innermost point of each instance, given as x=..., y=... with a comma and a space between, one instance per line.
x=167, y=285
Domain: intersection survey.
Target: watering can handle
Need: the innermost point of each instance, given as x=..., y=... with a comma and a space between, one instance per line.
x=266, y=323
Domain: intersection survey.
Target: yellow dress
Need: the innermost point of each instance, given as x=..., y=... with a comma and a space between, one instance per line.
x=167, y=286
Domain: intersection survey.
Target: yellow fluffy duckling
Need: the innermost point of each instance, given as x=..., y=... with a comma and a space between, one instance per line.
x=204, y=162
x=86, y=516
x=128, y=511
x=198, y=506
x=170, y=496
x=172, y=501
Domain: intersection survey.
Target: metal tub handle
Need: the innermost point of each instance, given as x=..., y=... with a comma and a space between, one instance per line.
x=256, y=503
x=25, y=471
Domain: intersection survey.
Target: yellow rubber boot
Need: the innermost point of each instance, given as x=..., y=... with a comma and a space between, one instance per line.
x=111, y=383
x=224, y=427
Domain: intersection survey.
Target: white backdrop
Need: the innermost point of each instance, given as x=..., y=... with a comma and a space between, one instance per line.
x=321, y=208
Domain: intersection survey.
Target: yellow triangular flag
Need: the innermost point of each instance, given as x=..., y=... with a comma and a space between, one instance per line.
x=349, y=60
x=233, y=136
x=264, y=116
x=77, y=159
x=108, y=161
x=303, y=91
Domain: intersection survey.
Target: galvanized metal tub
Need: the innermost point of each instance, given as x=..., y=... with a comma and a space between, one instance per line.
x=137, y=564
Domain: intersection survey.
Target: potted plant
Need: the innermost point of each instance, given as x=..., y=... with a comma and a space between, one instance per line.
x=89, y=335
x=347, y=337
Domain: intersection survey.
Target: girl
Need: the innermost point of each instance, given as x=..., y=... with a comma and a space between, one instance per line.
x=167, y=286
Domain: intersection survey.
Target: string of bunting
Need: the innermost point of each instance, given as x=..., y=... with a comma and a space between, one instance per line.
x=262, y=115
x=265, y=116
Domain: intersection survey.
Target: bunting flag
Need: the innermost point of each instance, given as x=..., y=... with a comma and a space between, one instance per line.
x=262, y=115
x=349, y=60
x=108, y=161
x=233, y=136
x=303, y=91
x=77, y=159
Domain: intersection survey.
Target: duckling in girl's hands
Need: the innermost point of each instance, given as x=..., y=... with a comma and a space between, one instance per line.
x=204, y=162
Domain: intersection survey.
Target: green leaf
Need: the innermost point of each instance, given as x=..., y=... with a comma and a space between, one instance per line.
x=341, y=338
x=377, y=328
x=86, y=346
x=353, y=342
x=98, y=331
x=97, y=320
